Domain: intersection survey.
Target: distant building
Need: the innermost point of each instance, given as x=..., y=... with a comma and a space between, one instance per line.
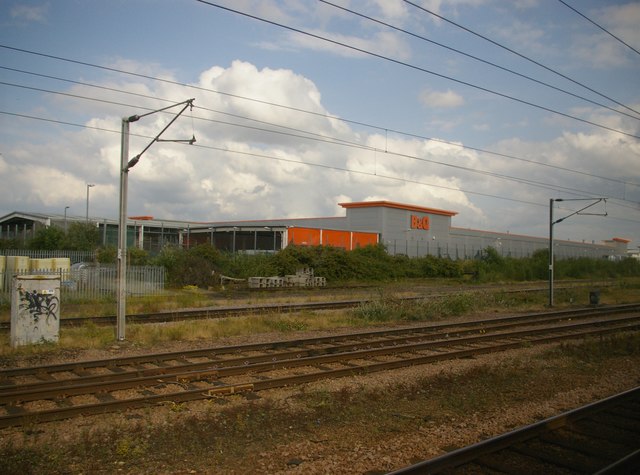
x=402, y=228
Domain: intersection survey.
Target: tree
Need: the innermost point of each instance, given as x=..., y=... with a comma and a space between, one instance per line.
x=194, y=266
x=82, y=237
x=48, y=239
x=107, y=255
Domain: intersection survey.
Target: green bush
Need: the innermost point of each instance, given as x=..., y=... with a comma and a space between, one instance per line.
x=107, y=255
x=195, y=266
x=48, y=239
x=137, y=257
x=200, y=265
x=81, y=237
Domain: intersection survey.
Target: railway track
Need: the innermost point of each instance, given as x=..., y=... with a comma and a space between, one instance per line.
x=600, y=438
x=259, y=309
x=204, y=313
x=45, y=393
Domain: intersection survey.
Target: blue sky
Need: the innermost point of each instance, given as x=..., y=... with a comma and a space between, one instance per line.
x=378, y=112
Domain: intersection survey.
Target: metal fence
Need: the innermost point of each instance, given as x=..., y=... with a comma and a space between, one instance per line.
x=94, y=281
x=74, y=256
x=79, y=275
x=516, y=248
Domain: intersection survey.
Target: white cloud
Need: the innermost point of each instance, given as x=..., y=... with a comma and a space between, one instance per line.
x=30, y=14
x=599, y=49
x=623, y=21
x=384, y=43
x=441, y=99
x=240, y=172
x=522, y=36
x=392, y=9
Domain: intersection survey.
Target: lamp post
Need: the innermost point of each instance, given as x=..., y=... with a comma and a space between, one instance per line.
x=125, y=166
x=552, y=223
x=89, y=185
x=65, y=218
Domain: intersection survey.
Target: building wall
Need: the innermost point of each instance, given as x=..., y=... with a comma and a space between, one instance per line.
x=416, y=231
x=395, y=222
x=469, y=243
x=403, y=229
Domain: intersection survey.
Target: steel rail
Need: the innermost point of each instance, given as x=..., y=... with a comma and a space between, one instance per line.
x=475, y=457
x=215, y=387
x=218, y=369
x=216, y=352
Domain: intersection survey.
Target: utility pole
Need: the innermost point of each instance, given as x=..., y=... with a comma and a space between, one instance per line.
x=89, y=185
x=552, y=223
x=125, y=166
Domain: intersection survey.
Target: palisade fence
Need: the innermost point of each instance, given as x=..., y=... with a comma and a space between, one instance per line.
x=73, y=256
x=79, y=278
x=515, y=248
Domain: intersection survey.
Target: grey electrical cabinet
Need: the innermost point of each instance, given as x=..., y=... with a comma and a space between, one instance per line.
x=35, y=309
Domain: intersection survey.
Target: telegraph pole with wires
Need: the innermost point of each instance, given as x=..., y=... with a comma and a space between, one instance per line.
x=125, y=166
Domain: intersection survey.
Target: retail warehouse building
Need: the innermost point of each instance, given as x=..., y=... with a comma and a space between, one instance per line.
x=402, y=228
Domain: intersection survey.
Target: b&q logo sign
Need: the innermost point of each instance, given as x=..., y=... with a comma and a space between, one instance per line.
x=418, y=222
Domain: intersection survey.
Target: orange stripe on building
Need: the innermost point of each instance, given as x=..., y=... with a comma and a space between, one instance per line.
x=348, y=240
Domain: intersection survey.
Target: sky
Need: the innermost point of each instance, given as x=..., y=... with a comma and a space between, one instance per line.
x=489, y=108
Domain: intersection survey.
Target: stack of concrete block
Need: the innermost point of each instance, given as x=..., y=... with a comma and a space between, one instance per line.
x=302, y=278
x=275, y=281
x=297, y=280
x=257, y=282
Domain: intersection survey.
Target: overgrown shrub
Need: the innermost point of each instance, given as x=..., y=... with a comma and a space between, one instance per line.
x=196, y=266
x=107, y=255
x=48, y=239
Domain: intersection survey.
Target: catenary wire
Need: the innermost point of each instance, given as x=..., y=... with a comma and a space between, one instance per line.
x=476, y=58
x=329, y=140
x=421, y=69
x=318, y=114
x=533, y=183
x=599, y=26
x=325, y=139
x=506, y=48
x=533, y=162
x=280, y=159
x=299, y=162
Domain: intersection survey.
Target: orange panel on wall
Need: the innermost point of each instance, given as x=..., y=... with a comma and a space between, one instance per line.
x=304, y=236
x=336, y=238
x=329, y=237
x=364, y=239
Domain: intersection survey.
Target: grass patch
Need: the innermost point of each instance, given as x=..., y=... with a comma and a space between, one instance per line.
x=385, y=308
x=433, y=309
x=595, y=350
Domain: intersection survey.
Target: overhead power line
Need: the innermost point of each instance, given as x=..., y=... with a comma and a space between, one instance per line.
x=476, y=58
x=314, y=136
x=346, y=120
x=300, y=162
x=287, y=160
x=510, y=50
x=419, y=68
x=599, y=26
x=331, y=140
